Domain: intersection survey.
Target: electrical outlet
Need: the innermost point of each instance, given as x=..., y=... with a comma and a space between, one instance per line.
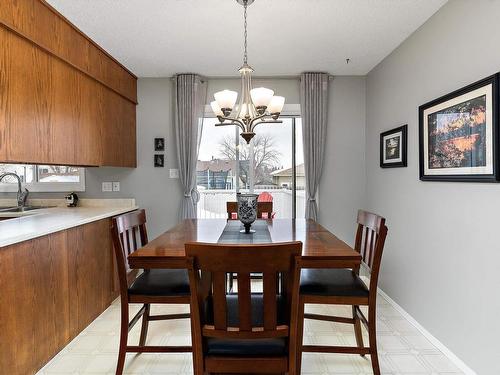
x=116, y=185
x=107, y=186
x=174, y=173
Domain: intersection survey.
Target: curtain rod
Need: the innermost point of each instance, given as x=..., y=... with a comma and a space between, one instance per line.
x=290, y=77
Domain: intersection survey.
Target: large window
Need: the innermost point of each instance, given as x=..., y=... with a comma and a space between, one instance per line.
x=43, y=178
x=271, y=166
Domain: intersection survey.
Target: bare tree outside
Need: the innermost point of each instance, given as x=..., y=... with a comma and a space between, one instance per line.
x=266, y=157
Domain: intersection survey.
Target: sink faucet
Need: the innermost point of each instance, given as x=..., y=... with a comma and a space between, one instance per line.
x=22, y=196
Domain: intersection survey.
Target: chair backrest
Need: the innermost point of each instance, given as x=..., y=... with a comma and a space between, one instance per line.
x=370, y=240
x=264, y=209
x=215, y=261
x=129, y=234
x=265, y=197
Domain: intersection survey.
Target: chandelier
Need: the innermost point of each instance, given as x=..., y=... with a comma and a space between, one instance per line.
x=256, y=105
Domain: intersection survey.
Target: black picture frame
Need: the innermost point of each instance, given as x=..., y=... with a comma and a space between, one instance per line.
x=159, y=160
x=491, y=152
x=159, y=144
x=400, y=132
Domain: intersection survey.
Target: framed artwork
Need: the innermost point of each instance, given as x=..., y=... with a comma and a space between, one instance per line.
x=458, y=135
x=393, y=147
x=159, y=160
x=159, y=144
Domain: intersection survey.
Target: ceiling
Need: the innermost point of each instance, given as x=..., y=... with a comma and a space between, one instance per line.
x=158, y=38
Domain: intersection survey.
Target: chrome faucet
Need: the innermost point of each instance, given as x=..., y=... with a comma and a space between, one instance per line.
x=22, y=196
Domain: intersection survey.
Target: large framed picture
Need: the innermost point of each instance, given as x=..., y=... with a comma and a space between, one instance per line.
x=459, y=135
x=393, y=147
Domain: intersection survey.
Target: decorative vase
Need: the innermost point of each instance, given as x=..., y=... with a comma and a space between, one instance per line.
x=247, y=210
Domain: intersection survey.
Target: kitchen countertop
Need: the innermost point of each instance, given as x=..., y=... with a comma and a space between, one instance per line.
x=49, y=220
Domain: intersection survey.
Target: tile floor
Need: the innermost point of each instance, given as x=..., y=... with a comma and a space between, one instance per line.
x=402, y=348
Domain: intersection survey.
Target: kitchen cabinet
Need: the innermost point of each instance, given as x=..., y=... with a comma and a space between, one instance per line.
x=63, y=99
x=52, y=287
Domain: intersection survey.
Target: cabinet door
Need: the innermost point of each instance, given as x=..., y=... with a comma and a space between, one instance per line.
x=34, y=305
x=90, y=270
x=30, y=101
x=5, y=67
x=89, y=142
x=118, y=131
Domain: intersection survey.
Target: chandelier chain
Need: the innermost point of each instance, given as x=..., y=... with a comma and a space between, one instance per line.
x=245, y=55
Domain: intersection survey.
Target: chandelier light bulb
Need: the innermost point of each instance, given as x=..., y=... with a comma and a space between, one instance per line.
x=226, y=99
x=216, y=109
x=244, y=111
x=276, y=105
x=261, y=97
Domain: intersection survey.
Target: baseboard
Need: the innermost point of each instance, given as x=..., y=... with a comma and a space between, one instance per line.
x=438, y=344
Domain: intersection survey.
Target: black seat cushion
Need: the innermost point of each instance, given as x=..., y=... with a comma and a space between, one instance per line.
x=247, y=348
x=332, y=282
x=161, y=282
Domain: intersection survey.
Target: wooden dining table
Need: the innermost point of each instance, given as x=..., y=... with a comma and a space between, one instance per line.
x=318, y=244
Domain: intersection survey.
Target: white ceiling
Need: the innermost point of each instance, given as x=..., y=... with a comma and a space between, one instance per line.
x=158, y=38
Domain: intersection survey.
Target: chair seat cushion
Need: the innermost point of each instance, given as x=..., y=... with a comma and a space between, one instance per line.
x=332, y=282
x=247, y=348
x=161, y=282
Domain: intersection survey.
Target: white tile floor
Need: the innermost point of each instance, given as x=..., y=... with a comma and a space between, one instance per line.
x=402, y=348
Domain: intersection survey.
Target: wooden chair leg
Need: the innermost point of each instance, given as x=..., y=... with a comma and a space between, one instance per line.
x=145, y=324
x=372, y=335
x=357, y=328
x=300, y=335
x=123, y=337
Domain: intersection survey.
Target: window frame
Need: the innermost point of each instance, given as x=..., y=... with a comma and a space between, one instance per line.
x=46, y=187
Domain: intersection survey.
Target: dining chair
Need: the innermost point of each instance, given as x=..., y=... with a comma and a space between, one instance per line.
x=159, y=286
x=320, y=284
x=244, y=332
x=264, y=210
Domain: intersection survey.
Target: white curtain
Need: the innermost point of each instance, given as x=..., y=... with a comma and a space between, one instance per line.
x=314, y=110
x=190, y=98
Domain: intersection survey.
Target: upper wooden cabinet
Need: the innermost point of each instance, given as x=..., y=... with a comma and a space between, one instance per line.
x=63, y=100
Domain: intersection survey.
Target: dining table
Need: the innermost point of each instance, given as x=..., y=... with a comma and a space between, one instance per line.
x=319, y=245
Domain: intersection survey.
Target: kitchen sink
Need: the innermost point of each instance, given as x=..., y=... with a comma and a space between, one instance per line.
x=22, y=209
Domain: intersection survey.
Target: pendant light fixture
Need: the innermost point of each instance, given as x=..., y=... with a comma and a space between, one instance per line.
x=256, y=105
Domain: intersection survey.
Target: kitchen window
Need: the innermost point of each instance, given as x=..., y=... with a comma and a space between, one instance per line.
x=43, y=178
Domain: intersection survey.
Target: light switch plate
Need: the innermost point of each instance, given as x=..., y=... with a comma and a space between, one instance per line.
x=174, y=173
x=116, y=185
x=107, y=186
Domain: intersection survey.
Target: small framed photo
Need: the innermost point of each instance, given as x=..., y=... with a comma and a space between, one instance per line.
x=159, y=144
x=393, y=147
x=159, y=160
x=459, y=134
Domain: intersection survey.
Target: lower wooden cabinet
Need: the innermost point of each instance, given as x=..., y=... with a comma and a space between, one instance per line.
x=52, y=287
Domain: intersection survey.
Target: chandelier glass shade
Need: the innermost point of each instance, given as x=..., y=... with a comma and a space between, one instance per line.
x=256, y=105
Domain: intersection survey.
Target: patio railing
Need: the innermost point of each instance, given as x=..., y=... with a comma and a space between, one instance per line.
x=212, y=203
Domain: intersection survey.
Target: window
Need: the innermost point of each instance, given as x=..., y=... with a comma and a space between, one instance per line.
x=43, y=178
x=225, y=167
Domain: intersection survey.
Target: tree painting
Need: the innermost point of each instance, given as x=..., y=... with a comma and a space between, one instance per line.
x=457, y=135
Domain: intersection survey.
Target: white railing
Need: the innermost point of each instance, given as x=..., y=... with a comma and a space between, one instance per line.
x=212, y=203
